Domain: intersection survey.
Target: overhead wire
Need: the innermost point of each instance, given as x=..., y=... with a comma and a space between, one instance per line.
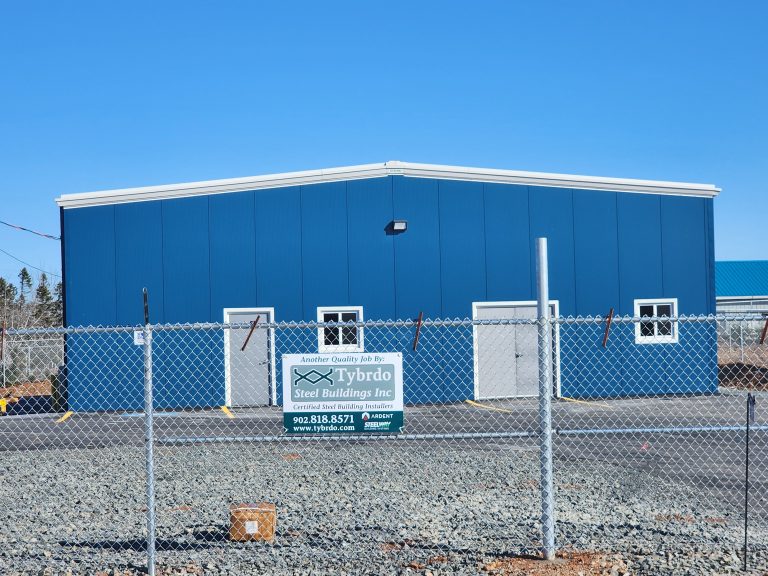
x=22, y=228
x=29, y=265
x=42, y=234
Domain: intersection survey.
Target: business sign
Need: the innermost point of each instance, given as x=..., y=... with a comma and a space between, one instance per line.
x=342, y=393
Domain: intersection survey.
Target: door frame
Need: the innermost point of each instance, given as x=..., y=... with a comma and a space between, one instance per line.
x=271, y=375
x=476, y=306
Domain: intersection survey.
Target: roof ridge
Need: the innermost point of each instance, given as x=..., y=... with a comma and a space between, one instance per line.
x=378, y=170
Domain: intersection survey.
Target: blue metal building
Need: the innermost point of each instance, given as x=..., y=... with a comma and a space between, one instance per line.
x=742, y=286
x=308, y=245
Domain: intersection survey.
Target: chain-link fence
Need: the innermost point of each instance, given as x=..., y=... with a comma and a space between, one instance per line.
x=30, y=363
x=403, y=446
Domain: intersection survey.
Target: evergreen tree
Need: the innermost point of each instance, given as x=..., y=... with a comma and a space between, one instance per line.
x=58, y=304
x=44, y=312
x=7, y=300
x=25, y=285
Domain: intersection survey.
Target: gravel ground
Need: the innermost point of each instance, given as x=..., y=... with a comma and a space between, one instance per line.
x=357, y=508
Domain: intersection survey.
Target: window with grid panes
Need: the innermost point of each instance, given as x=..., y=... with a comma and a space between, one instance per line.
x=340, y=338
x=656, y=324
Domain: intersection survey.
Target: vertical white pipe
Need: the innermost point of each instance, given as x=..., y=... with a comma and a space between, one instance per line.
x=545, y=402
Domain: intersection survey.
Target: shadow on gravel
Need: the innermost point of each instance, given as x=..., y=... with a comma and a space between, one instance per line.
x=201, y=539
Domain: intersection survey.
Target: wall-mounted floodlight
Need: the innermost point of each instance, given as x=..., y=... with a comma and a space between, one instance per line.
x=399, y=225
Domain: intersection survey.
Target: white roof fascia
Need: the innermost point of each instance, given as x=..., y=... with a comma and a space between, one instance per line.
x=740, y=298
x=381, y=170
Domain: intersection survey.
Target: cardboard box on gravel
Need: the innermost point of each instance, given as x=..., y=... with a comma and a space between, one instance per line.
x=249, y=522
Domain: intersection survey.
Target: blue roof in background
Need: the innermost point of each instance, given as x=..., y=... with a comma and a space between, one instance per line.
x=741, y=278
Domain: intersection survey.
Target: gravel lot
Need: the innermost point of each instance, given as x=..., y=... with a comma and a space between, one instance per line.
x=355, y=508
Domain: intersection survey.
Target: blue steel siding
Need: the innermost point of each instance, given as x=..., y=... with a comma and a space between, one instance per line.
x=188, y=368
x=278, y=252
x=507, y=243
x=684, y=243
x=186, y=257
x=597, y=288
x=640, y=269
x=104, y=372
x=552, y=217
x=233, y=252
x=324, y=247
x=462, y=265
x=462, y=247
x=596, y=251
x=139, y=261
x=686, y=277
x=737, y=277
x=187, y=372
x=640, y=276
x=710, y=224
x=417, y=287
x=417, y=251
x=90, y=259
x=590, y=371
x=371, y=250
x=139, y=264
x=91, y=300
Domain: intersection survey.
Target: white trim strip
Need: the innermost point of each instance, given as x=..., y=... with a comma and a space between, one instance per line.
x=736, y=299
x=379, y=171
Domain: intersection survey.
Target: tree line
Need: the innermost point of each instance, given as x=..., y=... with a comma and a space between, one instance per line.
x=29, y=303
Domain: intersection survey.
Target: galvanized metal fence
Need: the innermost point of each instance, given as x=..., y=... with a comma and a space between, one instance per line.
x=166, y=427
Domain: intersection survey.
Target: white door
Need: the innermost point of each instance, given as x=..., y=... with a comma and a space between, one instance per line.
x=249, y=366
x=506, y=355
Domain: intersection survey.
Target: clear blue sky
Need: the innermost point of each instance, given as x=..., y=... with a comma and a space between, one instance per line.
x=97, y=95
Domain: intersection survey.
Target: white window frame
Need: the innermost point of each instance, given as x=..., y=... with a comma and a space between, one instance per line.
x=322, y=347
x=656, y=339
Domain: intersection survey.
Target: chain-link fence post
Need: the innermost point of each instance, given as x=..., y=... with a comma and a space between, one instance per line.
x=741, y=341
x=2, y=352
x=545, y=402
x=149, y=437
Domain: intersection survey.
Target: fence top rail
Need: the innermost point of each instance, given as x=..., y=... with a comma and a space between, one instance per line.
x=43, y=332
x=268, y=325
x=312, y=325
x=706, y=319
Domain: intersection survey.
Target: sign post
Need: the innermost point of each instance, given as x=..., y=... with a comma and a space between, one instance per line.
x=343, y=393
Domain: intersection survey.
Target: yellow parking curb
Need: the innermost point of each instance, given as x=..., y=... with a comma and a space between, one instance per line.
x=228, y=412
x=484, y=407
x=4, y=404
x=65, y=417
x=584, y=402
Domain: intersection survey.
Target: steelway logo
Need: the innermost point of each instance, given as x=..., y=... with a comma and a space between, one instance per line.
x=378, y=426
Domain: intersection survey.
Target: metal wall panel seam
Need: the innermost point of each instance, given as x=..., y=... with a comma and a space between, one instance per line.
x=394, y=246
x=575, y=267
x=618, y=254
x=485, y=244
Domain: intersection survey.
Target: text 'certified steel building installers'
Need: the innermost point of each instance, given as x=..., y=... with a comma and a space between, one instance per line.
x=343, y=393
